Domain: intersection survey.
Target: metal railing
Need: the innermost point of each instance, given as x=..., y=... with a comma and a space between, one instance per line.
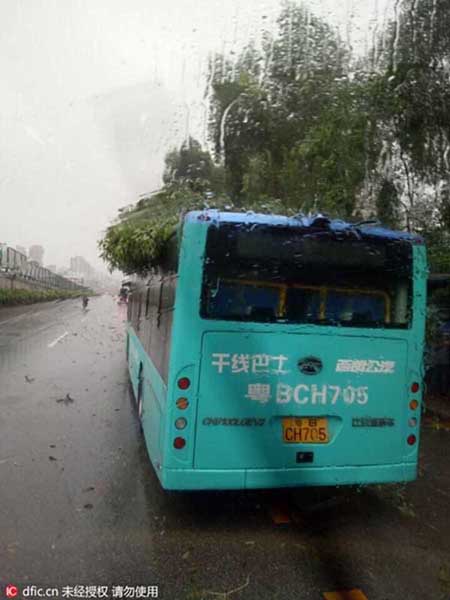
x=15, y=264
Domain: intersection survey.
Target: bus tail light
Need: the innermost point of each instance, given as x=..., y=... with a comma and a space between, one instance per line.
x=411, y=439
x=412, y=422
x=413, y=404
x=415, y=387
x=184, y=383
x=179, y=443
x=182, y=403
x=180, y=423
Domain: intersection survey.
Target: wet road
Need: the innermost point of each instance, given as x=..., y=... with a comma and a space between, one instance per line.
x=80, y=505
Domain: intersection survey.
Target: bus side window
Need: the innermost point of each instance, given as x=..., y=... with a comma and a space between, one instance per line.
x=168, y=287
x=147, y=299
x=168, y=293
x=153, y=299
x=139, y=299
x=161, y=286
x=152, y=309
x=130, y=307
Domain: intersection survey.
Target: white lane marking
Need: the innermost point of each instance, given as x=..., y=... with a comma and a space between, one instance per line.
x=58, y=339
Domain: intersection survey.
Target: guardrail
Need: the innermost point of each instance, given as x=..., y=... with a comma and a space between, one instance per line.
x=15, y=264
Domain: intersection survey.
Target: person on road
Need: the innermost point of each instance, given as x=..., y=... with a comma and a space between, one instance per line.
x=85, y=301
x=123, y=294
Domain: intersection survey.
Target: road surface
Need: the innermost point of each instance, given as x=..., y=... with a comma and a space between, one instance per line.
x=80, y=505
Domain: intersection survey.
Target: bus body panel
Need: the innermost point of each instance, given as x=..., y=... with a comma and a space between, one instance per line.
x=229, y=479
x=147, y=384
x=249, y=382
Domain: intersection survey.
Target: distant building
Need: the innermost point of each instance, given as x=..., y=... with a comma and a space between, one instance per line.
x=75, y=278
x=22, y=250
x=51, y=268
x=36, y=253
x=81, y=267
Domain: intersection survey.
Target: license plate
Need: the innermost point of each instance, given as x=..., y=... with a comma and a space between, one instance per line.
x=305, y=430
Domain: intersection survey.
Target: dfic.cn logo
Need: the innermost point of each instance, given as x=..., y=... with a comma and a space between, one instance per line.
x=11, y=591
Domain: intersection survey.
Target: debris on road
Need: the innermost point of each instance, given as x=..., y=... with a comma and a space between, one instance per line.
x=29, y=379
x=52, y=458
x=226, y=595
x=66, y=400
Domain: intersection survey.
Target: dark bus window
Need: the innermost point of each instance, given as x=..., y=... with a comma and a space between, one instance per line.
x=285, y=274
x=235, y=300
x=303, y=305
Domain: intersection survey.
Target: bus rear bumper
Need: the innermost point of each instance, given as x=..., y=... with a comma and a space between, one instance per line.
x=190, y=479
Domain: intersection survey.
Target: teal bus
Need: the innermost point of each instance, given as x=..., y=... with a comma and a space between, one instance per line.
x=271, y=351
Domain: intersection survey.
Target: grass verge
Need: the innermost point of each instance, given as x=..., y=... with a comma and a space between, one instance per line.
x=17, y=297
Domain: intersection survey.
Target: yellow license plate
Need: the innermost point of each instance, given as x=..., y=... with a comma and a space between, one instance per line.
x=305, y=430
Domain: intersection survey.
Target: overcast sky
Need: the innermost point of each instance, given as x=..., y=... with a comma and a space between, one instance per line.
x=94, y=92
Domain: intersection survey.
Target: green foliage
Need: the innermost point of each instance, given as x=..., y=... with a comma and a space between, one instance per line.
x=302, y=121
x=325, y=170
x=387, y=205
x=411, y=93
x=438, y=310
x=438, y=250
x=129, y=246
x=137, y=241
x=192, y=167
x=298, y=132
x=134, y=244
x=10, y=297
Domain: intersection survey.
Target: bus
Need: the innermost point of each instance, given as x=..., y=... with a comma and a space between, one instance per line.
x=270, y=351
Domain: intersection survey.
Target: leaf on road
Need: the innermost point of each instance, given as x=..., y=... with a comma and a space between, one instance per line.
x=66, y=400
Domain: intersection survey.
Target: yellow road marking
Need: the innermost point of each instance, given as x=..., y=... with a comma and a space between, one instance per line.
x=345, y=595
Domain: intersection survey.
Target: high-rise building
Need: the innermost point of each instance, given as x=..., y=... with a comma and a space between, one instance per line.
x=21, y=249
x=80, y=265
x=36, y=253
x=51, y=268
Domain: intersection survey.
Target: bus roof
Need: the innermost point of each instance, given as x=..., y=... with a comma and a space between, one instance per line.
x=318, y=221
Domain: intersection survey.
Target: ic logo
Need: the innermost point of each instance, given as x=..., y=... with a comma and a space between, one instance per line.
x=11, y=591
x=310, y=365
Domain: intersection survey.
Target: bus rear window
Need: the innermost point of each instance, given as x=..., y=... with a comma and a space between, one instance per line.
x=274, y=274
